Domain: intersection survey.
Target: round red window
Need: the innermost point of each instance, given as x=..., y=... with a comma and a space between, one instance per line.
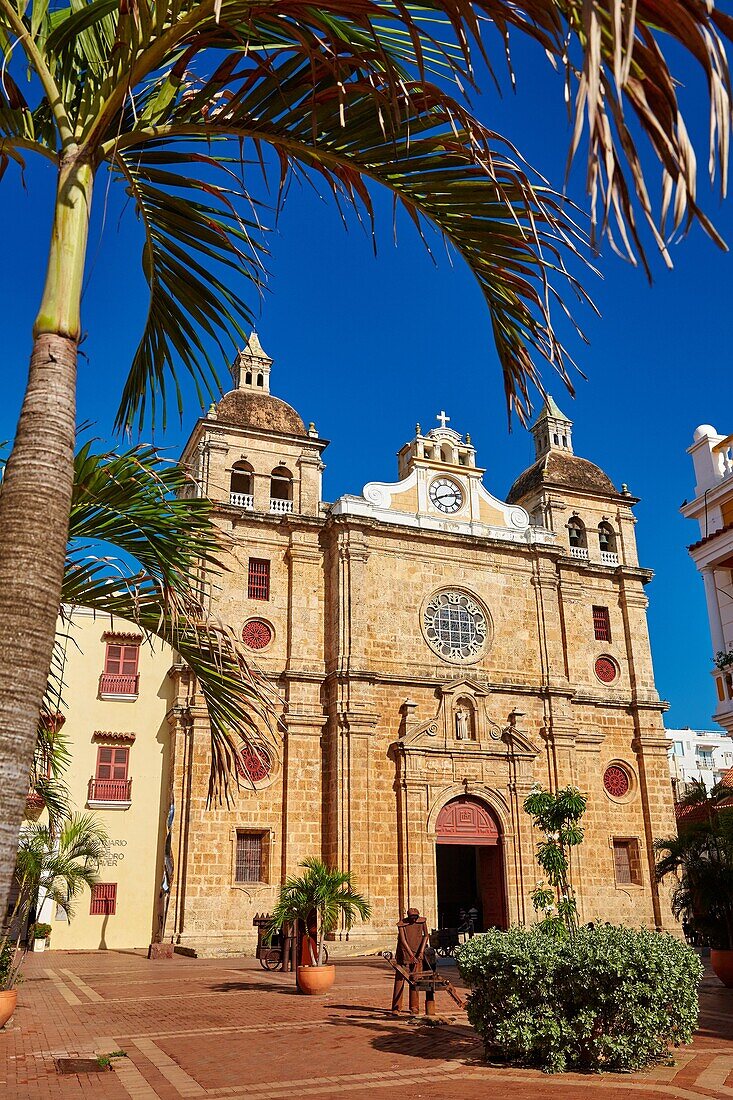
x=254, y=763
x=606, y=670
x=616, y=781
x=256, y=634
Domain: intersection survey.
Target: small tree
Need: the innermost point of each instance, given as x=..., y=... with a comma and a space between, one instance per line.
x=558, y=817
x=322, y=895
x=49, y=864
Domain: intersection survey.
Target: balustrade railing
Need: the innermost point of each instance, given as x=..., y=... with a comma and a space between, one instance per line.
x=112, y=683
x=724, y=451
x=609, y=557
x=109, y=790
x=580, y=552
x=242, y=500
x=280, y=507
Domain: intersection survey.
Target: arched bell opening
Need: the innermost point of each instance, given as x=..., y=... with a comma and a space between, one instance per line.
x=470, y=866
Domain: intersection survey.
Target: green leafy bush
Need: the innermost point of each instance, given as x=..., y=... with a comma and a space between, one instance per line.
x=607, y=998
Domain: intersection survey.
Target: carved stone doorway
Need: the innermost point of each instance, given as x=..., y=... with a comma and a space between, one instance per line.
x=469, y=862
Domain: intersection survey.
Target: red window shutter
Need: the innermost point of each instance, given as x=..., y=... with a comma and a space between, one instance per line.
x=130, y=654
x=113, y=659
x=121, y=659
x=602, y=624
x=104, y=763
x=120, y=759
x=258, y=579
x=104, y=899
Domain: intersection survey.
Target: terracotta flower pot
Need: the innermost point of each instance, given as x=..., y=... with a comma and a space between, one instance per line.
x=316, y=979
x=722, y=964
x=8, y=1001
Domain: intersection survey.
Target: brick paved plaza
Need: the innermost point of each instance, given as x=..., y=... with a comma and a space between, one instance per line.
x=226, y=1029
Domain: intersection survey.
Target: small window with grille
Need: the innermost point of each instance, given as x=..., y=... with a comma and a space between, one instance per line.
x=251, y=857
x=602, y=624
x=104, y=899
x=627, y=862
x=258, y=579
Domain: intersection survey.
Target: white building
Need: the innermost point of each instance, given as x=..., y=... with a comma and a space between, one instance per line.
x=698, y=754
x=712, y=507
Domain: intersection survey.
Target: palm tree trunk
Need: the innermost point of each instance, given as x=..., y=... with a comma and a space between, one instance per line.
x=34, y=505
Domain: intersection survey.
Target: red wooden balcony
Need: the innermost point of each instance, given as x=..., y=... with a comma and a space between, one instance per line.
x=114, y=683
x=109, y=790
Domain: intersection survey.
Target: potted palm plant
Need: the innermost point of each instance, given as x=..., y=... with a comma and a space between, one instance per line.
x=701, y=861
x=317, y=900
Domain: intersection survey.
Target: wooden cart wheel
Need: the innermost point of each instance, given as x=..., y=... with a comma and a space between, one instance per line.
x=271, y=958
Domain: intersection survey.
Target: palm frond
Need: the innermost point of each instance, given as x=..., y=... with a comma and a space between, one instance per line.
x=198, y=242
x=129, y=501
x=334, y=89
x=445, y=170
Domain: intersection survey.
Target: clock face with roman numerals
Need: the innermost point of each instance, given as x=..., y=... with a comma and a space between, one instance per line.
x=445, y=495
x=455, y=626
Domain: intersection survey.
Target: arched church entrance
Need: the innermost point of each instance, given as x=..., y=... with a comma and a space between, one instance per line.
x=470, y=864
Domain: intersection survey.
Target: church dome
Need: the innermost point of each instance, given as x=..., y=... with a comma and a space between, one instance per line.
x=564, y=470
x=249, y=409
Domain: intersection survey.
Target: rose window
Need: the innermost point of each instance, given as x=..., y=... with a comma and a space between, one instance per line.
x=455, y=626
x=254, y=763
x=606, y=670
x=616, y=781
x=256, y=634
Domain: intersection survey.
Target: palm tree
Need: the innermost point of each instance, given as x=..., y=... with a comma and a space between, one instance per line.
x=165, y=556
x=51, y=864
x=323, y=897
x=166, y=96
x=700, y=859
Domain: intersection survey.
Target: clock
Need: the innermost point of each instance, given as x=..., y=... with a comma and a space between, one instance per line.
x=445, y=495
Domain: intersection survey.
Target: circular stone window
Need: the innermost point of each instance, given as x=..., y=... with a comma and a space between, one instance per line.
x=606, y=670
x=455, y=626
x=257, y=634
x=254, y=763
x=616, y=781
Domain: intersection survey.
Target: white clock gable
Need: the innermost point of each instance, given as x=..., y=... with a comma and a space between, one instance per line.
x=440, y=486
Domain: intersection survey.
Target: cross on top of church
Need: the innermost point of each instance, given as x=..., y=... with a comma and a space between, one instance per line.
x=442, y=418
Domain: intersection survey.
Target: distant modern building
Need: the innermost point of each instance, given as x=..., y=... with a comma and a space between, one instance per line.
x=698, y=754
x=712, y=507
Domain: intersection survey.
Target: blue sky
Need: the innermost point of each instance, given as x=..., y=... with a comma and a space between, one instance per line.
x=367, y=346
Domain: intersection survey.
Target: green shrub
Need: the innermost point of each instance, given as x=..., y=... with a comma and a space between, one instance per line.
x=41, y=931
x=607, y=998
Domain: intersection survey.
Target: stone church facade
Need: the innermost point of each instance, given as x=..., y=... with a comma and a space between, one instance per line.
x=437, y=651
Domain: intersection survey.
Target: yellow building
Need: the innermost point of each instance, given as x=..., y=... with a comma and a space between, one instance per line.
x=437, y=651
x=118, y=695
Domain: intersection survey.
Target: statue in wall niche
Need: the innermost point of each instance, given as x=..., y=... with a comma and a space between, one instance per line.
x=464, y=723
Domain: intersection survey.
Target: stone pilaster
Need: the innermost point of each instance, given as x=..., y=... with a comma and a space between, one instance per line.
x=302, y=790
